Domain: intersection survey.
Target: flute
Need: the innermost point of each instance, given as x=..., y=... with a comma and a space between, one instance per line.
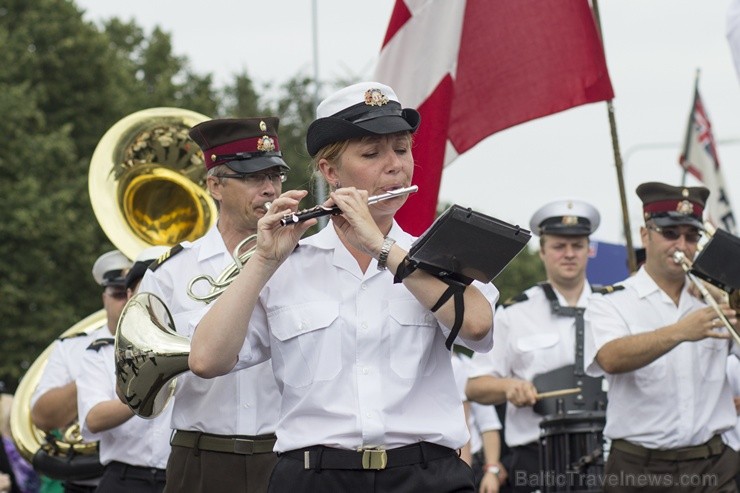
x=320, y=210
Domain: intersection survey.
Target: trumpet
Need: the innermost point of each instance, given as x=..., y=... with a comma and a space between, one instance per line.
x=320, y=210
x=680, y=258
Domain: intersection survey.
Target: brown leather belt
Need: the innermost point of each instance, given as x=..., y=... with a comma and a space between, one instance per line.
x=714, y=446
x=240, y=444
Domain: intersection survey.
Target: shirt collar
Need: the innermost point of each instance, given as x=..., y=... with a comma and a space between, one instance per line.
x=211, y=245
x=643, y=283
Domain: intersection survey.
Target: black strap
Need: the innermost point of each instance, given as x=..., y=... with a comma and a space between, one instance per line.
x=457, y=290
x=404, y=269
x=569, y=311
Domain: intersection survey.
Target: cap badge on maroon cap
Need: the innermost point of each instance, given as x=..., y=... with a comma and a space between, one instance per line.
x=685, y=207
x=265, y=144
x=374, y=97
x=263, y=126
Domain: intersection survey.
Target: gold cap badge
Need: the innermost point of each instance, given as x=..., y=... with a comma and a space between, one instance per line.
x=373, y=97
x=685, y=207
x=263, y=126
x=265, y=144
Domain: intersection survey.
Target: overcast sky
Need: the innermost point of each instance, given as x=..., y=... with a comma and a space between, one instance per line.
x=653, y=49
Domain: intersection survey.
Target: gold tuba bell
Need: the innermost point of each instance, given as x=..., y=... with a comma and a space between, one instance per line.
x=147, y=187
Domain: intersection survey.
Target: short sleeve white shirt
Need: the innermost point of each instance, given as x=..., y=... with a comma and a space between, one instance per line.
x=360, y=362
x=244, y=403
x=528, y=340
x=138, y=441
x=682, y=398
x=65, y=362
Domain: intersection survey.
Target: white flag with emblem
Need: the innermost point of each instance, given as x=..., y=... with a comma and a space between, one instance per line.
x=700, y=159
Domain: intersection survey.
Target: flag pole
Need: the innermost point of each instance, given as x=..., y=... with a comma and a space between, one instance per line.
x=319, y=183
x=631, y=258
x=688, y=129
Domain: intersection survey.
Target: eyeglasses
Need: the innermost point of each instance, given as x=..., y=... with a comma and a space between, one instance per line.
x=258, y=178
x=672, y=234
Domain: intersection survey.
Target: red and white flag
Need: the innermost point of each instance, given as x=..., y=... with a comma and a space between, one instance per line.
x=699, y=158
x=474, y=67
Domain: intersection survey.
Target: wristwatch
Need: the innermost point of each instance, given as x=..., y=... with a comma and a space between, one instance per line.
x=493, y=469
x=384, y=251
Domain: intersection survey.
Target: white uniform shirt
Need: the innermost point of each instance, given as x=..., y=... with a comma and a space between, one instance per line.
x=64, y=366
x=528, y=340
x=65, y=362
x=244, y=403
x=732, y=436
x=138, y=441
x=361, y=363
x=682, y=398
x=482, y=417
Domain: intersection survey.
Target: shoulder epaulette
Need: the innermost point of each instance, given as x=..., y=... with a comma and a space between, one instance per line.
x=166, y=256
x=514, y=300
x=608, y=289
x=72, y=336
x=99, y=343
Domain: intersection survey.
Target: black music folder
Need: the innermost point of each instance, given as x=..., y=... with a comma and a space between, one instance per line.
x=463, y=244
x=719, y=261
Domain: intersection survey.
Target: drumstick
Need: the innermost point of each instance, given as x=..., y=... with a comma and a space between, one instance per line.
x=558, y=393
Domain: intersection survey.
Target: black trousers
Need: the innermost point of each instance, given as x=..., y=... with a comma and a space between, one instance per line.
x=625, y=473
x=79, y=488
x=524, y=469
x=124, y=478
x=191, y=470
x=446, y=475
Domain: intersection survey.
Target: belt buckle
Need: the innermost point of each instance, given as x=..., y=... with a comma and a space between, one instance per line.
x=374, y=459
x=243, y=446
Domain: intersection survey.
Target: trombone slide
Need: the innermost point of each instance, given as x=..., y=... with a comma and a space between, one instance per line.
x=680, y=258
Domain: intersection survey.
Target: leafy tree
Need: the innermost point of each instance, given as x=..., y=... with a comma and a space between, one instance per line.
x=64, y=83
x=524, y=271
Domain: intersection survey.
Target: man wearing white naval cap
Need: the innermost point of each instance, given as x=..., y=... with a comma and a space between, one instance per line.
x=536, y=333
x=54, y=402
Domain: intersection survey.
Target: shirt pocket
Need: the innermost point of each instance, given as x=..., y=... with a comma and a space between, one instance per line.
x=713, y=354
x=535, y=351
x=308, y=342
x=412, y=329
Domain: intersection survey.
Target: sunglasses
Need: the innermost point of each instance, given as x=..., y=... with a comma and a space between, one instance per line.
x=673, y=234
x=116, y=294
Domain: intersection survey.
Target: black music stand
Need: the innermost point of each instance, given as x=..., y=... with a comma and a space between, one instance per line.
x=719, y=261
x=463, y=245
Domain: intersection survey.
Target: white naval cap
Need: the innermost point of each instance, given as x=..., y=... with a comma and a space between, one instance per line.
x=110, y=268
x=565, y=217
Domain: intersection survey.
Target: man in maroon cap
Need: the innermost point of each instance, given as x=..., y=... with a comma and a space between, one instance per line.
x=224, y=428
x=663, y=353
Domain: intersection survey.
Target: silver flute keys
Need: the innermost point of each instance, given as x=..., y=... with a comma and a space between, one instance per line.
x=319, y=210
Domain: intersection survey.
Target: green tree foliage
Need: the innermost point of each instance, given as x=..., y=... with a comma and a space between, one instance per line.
x=64, y=83
x=524, y=271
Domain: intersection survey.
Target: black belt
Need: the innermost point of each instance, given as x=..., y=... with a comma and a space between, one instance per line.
x=320, y=457
x=128, y=471
x=714, y=446
x=240, y=444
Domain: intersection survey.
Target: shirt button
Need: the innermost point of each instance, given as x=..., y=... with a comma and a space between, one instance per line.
x=365, y=371
x=364, y=286
x=363, y=326
x=368, y=415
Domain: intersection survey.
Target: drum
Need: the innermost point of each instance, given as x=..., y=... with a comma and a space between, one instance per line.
x=572, y=451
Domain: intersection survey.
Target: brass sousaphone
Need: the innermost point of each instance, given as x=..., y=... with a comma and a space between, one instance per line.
x=147, y=187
